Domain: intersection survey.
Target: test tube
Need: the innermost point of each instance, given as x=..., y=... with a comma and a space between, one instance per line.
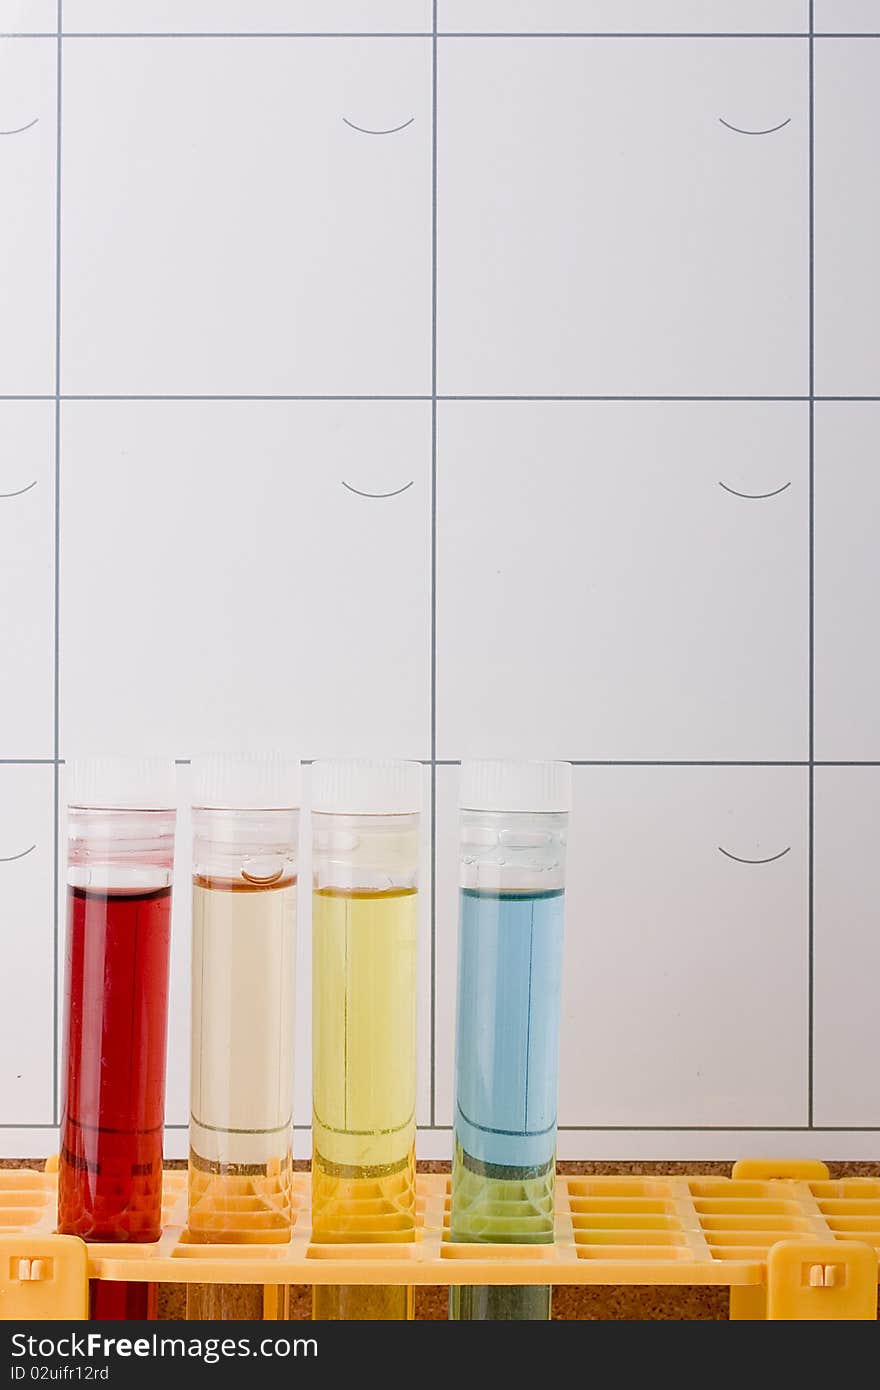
x=120, y=826
x=512, y=875
x=245, y=823
x=365, y=838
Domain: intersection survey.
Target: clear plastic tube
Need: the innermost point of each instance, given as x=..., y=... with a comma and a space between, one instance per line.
x=364, y=941
x=507, y=1039
x=119, y=874
x=243, y=957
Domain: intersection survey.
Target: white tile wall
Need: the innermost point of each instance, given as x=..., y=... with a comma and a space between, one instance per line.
x=244, y=587
x=28, y=139
x=847, y=581
x=247, y=16
x=28, y=16
x=847, y=218
x=26, y=981
x=601, y=594
x=624, y=16
x=27, y=579
x=602, y=232
x=847, y=917
x=627, y=582
x=685, y=991
x=250, y=242
x=177, y=1093
x=446, y=942
x=847, y=16
x=685, y=999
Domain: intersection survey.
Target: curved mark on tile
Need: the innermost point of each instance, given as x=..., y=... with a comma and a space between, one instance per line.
x=19, y=130
x=396, y=492
x=4, y=496
x=771, y=860
x=365, y=130
x=755, y=496
x=739, y=130
x=11, y=858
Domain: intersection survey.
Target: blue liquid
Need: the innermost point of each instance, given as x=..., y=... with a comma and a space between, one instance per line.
x=507, y=1053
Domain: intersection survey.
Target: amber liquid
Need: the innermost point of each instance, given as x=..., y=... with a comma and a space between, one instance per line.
x=244, y=939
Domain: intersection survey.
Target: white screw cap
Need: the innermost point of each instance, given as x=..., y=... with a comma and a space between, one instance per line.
x=515, y=786
x=121, y=784
x=245, y=782
x=354, y=787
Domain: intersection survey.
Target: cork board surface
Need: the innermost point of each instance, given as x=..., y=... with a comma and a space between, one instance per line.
x=569, y=1304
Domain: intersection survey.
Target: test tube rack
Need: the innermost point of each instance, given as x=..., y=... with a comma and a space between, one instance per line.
x=789, y=1243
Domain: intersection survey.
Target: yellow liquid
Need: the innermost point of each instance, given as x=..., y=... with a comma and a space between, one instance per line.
x=364, y=1082
x=242, y=1061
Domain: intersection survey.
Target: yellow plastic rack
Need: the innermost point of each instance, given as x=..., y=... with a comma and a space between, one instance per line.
x=788, y=1242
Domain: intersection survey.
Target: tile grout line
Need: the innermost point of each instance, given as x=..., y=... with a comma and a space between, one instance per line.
x=434, y=33
x=476, y=399
x=445, y=34
x=57, y=542
x=575, y=762
x=618, y=34
x=812, y=606
x=584, y=1129
x=433, y=1010
x=266, y=34
x=715, y=1129
x=632, y=399
x=442, y=34
x=258, y=397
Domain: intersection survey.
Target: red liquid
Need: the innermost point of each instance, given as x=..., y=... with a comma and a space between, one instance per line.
x=110, y=1301
x=110, y=1169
